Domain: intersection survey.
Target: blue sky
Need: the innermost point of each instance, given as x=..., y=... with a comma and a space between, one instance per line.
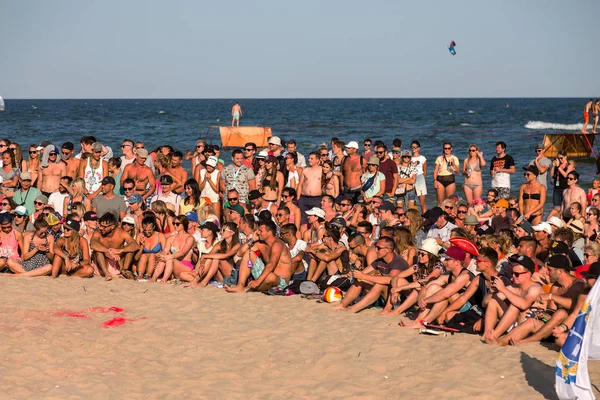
x=276, y=49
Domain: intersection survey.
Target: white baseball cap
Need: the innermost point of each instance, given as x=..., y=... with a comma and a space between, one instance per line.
x=275, y=140
x=317, y=212
x=212, y=161
x=543, y=226
x=352, y=145
x=557, y=222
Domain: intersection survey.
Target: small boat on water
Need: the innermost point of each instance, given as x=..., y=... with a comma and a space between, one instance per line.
x=577, y=145
x=1, y=104
x=238, y=136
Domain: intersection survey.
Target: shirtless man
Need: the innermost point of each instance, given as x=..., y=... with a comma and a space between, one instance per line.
x=571, y=194
x=177, y=172
x=236, y=113
x=310, y=191
x=93, y=170
x=68, y=152
x=352, y=170
x=586, y=114
x=110, y=243
x=48, y=180
x=595, y=111
x=521, y=296
x=275, y=271
x=145, y=183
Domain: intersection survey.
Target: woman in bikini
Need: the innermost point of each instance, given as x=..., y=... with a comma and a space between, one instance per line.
x=591, y=224
x=532, y=196
x=446, y=166
x=330, y=183
x=164, y=221
x=76, y=195
x=272, y=183
x=151, y=242
x=72, y=253
x=293, y=173
x=33, y=164
x=219, y=262
x=472, y=167
x=287, y=199
x=176, y=256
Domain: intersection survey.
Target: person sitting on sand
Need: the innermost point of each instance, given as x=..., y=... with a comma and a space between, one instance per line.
x=410, y=282
x=331, y=255
x=361, y=254
x=275, y=271
x=110, y=244
x=71, y=253
x=38, y=252
x=477, y=295
x=176, y=256
x=435, y=297
x=297, y=248
x=512, y=304
x=219, y=262
x=559, y=303
x=376, y=278
x=152, y=243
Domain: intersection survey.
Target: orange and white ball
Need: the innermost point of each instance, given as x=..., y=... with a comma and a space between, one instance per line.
x=332, y=294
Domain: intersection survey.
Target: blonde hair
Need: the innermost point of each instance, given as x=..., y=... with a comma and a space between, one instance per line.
x=416, y=221
x=78, y=186
x=593, y=249
x=203, y=211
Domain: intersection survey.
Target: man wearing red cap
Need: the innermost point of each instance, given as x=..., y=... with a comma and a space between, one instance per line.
x=435, y=297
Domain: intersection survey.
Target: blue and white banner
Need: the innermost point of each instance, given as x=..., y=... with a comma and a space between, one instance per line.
x=583, y=343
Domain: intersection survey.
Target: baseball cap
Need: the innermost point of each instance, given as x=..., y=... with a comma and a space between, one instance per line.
x=191, y=216
x=237, y=208
x=352, y=145
x=338, y=222
x=212, y=161
x=128, y=219
x=142, y=153
x=533, y=169
x=96, y=147
x=166, y=180
x=525, y=225
x=317, y=212
x=26, y=176
x=557, y=222
x=560, y=261
x=72, y=224
x=501, y=203
x=387, y=206
x=90, y=216
x=524, y=261
x=275, y=140
x=539, y=146
x=255, y=194
x=593, y=271
x=454, y=253
x=406, y=153
x=471, y=220
x=52, y=220
x=68, y=146
x=210, y=226
x=21, y=210
x=108, y=180
x=543, y=227
x=559, y=247
x=135, y=198
x=433, y=214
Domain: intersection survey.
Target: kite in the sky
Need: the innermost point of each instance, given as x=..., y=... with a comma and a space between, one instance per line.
x=451, y=48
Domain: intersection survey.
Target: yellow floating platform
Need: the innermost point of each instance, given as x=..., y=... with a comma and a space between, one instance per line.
x=575, y=144
x=238, y=136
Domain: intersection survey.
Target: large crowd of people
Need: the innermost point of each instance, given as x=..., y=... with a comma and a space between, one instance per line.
x=506, y=267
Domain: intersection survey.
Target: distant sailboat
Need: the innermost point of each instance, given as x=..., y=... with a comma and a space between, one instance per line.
x=1, y=104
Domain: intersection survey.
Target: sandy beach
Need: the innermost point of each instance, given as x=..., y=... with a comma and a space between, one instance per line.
x=61, y=340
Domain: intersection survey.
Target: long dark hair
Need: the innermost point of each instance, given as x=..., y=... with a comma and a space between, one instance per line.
x=192, y=184
x=223, y=246
x=272, y=175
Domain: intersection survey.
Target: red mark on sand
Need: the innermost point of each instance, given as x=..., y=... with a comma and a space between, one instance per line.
x=71, y=314
x=118, y=321
x=106, y=310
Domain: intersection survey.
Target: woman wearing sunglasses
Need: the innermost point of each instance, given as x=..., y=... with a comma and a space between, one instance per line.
x=152, y=243
x=77, y=194
x=219, y=262
x=472, y=167
x=38, y=254
x=176, y=256
x=532, y=196
x=287, y=199
x=33, y=164
x=72, y=254
x=446, y=167
x=20, y=163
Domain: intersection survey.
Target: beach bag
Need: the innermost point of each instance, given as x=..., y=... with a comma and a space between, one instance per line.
x=338, y=281
x=303, y=287
x=465, y=321
x=368, y=183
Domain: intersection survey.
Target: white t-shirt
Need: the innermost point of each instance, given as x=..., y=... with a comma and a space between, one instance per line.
x=57, y=201
x=298, y=247
x=418, y=162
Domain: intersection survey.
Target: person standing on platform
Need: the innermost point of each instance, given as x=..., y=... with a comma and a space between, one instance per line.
x=236, y=113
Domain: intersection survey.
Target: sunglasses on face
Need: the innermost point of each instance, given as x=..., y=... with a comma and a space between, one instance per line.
x=200, y=146
x=127, y=188
x=448, y=207
x=39, y=203
x=380, y=152
x=280, y=215
x=248, y=149
x=396, y=152
x=176, y=223
x=285, y=196
x=526, y=174
x=414, y=147
x=472, y=150
x=8, y=204
x=423, y=254
x=52, y=154
x=462, y=211
x=33, y=152
x=517, y=274
x=127, y=224
x=379, y=248
x=125, y=145
x=324, y=155
x=570, y=178
x=66, y=153
x=344, y=205
x=232, y=198
x=447, y=148
x=226, y=230
x=538, y=151
x=367, y=144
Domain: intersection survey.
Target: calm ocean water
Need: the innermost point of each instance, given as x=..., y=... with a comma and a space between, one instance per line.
x=309, y=121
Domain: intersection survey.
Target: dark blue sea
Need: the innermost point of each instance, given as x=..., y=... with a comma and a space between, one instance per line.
x=521, y=123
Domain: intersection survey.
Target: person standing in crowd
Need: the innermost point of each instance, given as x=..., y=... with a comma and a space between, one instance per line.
x=472, y=167
x=586, y=114
x=420, y=163
x=68, y=153
x=239, y=177
x=561, y=167
x=309, y=189
x=444, y=174
x=352, y=170
x=388, y=168
x=542, y=163
x=292, y=148
x=93, y=170
x=532, y=196
x=501, y=167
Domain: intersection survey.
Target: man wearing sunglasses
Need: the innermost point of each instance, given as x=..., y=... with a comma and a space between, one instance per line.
x=128, y=157
x=48, y=180
x=145, y=182
x=68, y=157
x=113, y=248
x=573, y=193
x=57, y=199
x=519, y=297
x=108, y=202
x=27, y=194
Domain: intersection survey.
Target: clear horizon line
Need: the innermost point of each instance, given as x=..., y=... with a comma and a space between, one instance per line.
x=291, y=98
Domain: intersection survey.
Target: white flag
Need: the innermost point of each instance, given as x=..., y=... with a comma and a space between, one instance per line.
x=583, y=343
